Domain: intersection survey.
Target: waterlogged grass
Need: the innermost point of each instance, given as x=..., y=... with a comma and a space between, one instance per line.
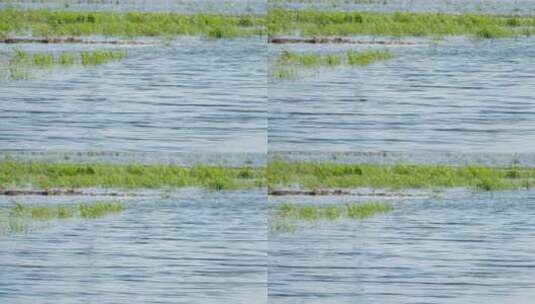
x=288, y=63
x=101, y=57
x=335, y=23
x=23, y=217
x=23, y=64
x=327, y=175
x=53, y=212
x=15, y=174
x=49, y=23
x=354, y=58
x=287, y=216
x=368, y=57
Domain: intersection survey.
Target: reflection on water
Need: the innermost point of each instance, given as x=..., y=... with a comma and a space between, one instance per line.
x=191, y=247
x=454, y=95
x=194, y=95
x=463, y=248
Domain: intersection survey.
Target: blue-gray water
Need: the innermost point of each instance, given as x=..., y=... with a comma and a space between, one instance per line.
x=452, y=95
x=194, y=95
x=462, y=248
x=190, y=247
x=180, y=6
x=498, y=7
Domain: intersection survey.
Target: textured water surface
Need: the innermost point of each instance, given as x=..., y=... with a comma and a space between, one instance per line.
x=498, y=7
x=461, y=248
x=181, y=6
x=457, y=95
x=187, y=247
x=193, y=95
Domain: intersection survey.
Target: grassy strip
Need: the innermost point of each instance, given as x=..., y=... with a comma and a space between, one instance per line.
x=353, y=58
x=333, y=23
x=288, y=62
x=20, y=216
x=48, y=23
x=83, y=210
x=15, y=174
x=22, y=64
x=286, y=216
x=327, y=175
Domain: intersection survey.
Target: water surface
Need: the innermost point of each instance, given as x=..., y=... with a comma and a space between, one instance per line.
x=461, y=248
x=452, y=95
x=185, y=247
x=194, y=95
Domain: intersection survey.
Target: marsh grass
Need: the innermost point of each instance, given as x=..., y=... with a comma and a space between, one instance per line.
x=368, y=57
x=287, y=216
x=336, y=23
x=22, y=218
x=55, y=212
x=128, y=24
x=328, y=175
x=67, y=59
x=288, y=63
x=100, y=209
x=75, y=176
x=101, y=57
x=23, y=64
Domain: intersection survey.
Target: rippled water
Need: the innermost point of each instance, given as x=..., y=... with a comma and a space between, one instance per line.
x=463, y=248
x=502, y=7
x=191, y=247
x=194, y=95
x=182, y=6
x=454, y=95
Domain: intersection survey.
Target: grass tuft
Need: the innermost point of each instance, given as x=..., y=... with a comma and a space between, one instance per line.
x=286, y=216
x=21, y=218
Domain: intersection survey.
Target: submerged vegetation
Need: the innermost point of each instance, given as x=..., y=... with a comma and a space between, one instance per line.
x=335, y=23
x=328, y=175
x=15, y=174
x=48, y=23
x=354, y=58
x=22, y=64
x=23, y=217
x=286, y=216
x=288, y=62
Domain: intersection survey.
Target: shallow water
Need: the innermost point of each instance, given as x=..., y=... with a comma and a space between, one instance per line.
x=455, y=95
x=182, y=6
x=499, y=7
x=192, y=96
x=462, y=248
x=191, y=247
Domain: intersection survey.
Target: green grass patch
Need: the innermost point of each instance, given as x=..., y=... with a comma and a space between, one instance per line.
x=282, y=175
x=368, y=57
x=54, y=212
x=23, y=64
x=49, y=23
x=43, y=175
x=336, y=23
x=24, y=217
x=287, y=216
x=101, y=57
x=288, y=63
